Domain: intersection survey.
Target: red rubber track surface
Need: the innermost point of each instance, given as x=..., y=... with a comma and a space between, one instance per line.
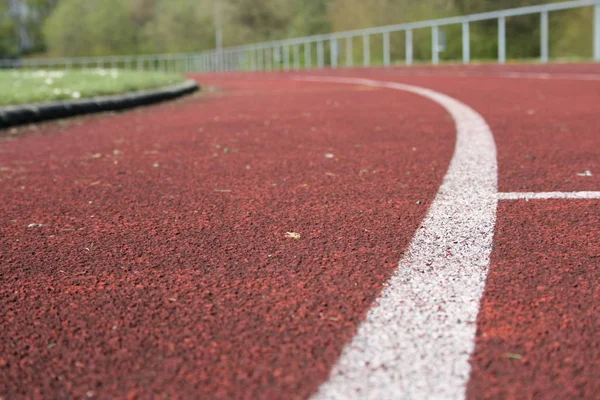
x=546, y=130
x=162, y=266
x=539, y=321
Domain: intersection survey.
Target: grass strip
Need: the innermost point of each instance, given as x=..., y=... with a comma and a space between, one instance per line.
x=40, y=86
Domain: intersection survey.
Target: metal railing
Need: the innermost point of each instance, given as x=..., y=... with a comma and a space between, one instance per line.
x=297, y=53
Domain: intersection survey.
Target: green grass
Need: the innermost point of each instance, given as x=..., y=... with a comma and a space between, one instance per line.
x=25, y=86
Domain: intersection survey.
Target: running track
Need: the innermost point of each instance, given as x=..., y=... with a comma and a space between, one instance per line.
x=449, y=223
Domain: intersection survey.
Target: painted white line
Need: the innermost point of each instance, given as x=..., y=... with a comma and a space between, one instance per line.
x=418, y=336
x=551, y=76
x=548, y=195
x=469, y=73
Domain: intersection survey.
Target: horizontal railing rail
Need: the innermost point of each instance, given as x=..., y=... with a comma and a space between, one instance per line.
x=324, y=50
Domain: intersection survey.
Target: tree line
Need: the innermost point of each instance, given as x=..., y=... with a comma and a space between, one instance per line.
x=106, y=27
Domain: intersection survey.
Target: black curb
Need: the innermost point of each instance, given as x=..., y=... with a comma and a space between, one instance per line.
x=29, y=113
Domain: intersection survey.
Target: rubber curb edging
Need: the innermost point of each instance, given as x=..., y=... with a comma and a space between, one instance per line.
x=29, y=113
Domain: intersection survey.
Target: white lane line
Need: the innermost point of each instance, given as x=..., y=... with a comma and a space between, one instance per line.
x=553, y=76
x=418, y=336
x=465, y=73
x=548, y=195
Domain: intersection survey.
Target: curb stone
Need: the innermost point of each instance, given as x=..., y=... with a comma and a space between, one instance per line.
x=30, y=113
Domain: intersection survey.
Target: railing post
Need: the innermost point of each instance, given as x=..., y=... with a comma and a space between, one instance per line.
x=409, y=47
x=466, y=43
x=597, y=32
x=386, y=49
x=260, y=58
x=334, y=52
x=501, y=40
x=435, y=44
x=286, y=57
x=366, y=50
x=308, y=55
x=544, y=56
x=253, y=59
x=349, y=52
x=320, y=54
x=296, y=57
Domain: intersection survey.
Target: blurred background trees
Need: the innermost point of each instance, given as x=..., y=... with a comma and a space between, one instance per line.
x=103, y=27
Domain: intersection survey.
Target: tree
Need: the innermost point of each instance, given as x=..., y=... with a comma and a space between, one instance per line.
x=102, y=27
x=257, y=20
x=90, y=27
x=181, y=26
x=7, y=38
x=142, y=14
x=349, y=15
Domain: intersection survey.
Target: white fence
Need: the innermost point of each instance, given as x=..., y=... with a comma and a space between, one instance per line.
x=298, y=53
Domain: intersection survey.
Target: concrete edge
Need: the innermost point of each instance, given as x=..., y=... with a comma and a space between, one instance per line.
x=30, y=113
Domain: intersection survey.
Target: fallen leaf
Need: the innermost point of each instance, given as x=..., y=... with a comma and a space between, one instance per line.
x=513, y=356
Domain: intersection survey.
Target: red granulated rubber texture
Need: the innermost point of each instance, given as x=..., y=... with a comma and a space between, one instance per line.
x=161, y=267
x=540, y=300
x=546, y=131
x=176, y=280
x=539, y=323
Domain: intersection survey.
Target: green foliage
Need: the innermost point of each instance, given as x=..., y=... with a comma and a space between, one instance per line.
x=573, y=34
x=21, y=32
x=102, y=27
x=90, y=27
x=7, y=39
x=182, y=25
